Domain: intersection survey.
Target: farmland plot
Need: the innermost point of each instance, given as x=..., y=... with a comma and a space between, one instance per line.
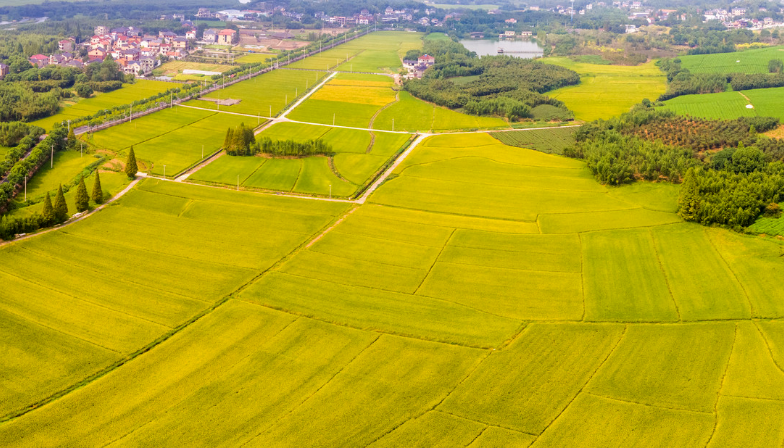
x=270, y=91
x=138, y=287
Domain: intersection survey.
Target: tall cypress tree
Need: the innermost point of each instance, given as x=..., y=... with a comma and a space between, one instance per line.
x=82, y=200
x=47, y=214
x=60, y=206
x=229, y=139
x=689, y=198
x=71, y=142
x=130, y=164
x=97, y=195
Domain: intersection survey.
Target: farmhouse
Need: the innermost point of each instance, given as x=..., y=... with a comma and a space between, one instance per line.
x=427, y=60
x=39, y=60
x=3, y=70
x=226, y=37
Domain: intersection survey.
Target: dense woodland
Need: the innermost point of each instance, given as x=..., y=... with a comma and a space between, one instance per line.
x=732, y=186
x=497, y=86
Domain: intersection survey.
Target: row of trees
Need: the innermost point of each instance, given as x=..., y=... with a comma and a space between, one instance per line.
x=283, y=148
x=52, y=213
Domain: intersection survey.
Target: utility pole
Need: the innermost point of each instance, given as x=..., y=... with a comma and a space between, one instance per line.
x=81, y=151
x=238, y=182
x=52, y=159
x=131, y=113
x=333, y=119
x=393, y=124
x=164, y=171
x=270, y=114
x=202, y=152
x=25, y=188
x=330, y=191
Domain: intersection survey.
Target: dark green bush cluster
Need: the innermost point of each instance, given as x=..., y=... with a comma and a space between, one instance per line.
x=284, y=148
x=240, y=141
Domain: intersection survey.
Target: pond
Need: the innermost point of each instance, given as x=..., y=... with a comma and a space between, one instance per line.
x=518, y=48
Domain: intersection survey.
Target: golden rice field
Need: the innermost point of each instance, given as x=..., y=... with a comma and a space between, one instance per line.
x=608, y=90
x=486, y=295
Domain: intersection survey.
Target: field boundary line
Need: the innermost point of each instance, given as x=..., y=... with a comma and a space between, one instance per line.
x=110, y=368
x=380, y=331
x=314, y=240
x=462, y=215
x=208, y=160
x=74, y=221
x=446, y=395
x=587, y=382
x=220, y=111
x=326, y=383
x=375, y=115
x=311, y=91
x=734, y=274
x=767, y=344
x=620, y=400
x=508, y=269
x=775, y=400
x=4, y=418
x=489, y=425
x=582, y=275
x=664, y=273
x=721, y=386
x=435, y=260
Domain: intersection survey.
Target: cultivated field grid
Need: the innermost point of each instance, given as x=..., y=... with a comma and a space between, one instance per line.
x=489, y=293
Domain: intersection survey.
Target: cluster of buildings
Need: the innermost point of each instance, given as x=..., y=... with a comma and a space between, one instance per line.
x=735, y=18
x=135, y=52
x=417, y=68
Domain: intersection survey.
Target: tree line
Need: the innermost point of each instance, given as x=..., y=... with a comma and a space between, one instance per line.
x=503, y=85
x=729, y=184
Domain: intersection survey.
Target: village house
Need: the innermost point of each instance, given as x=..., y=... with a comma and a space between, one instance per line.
x=190, y=35
x=100, y=30
x=226, y=37
x=3, y=70
x=39, y=60
x=210, y=35
x=66, y=45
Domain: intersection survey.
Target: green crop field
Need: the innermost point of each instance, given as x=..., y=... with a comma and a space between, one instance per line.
x=730, y=105
x=747, y=61
x=608, y=90
x=413, y=114
x=129, y=93
x=175, y=138
x=261, y=94
x=550, y=141
x=484, y=295
x=358, y=157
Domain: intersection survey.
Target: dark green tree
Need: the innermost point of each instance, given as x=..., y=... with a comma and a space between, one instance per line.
x=82, y=200
x=130, y=164
x=47, y=214
x=71, y=143
x=229, y=139
x=97, y=195
x=689, y=198
x=60, y=206
x=775, y=66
